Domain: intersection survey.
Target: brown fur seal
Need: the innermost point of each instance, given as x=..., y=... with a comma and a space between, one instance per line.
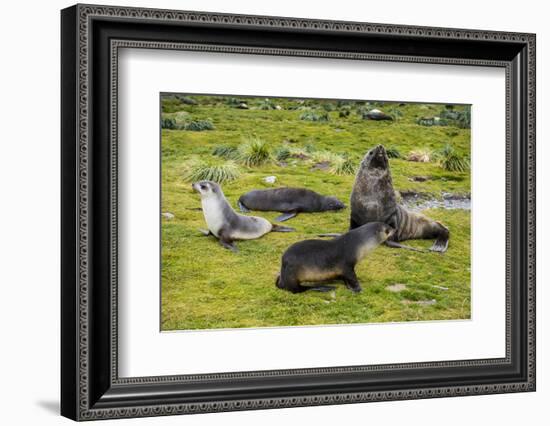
x=289, y=201
x=373, y=200
x=224, y=223
x=325, y=260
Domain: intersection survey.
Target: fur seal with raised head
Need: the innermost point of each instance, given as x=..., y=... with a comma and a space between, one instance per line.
x=373, y=200
x=227, y=225
x=316, y=261
x=289, y=201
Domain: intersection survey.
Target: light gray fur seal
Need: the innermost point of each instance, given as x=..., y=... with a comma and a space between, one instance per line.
x=289, y=201
x=316, y=261
x=373, y=200
x=227, y=225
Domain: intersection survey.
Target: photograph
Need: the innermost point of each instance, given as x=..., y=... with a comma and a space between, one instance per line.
x=279, y=212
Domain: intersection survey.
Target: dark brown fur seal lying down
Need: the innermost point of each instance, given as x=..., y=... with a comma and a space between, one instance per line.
x=289, y=201
x=316, y=261
x=373, y=200
x=227, y=225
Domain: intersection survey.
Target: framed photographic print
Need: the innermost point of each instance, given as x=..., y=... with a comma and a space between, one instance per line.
x=263, y=212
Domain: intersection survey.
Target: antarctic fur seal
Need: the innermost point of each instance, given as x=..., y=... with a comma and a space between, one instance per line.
x=376, y=114
x=325, y=260
x=224, y=223
x=373, y=200
x=289, y=201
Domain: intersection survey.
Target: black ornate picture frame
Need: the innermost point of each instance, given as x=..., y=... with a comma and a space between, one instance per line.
x=91, y=36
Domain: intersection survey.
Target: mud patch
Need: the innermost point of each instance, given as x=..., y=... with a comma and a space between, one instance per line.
x=323, y=165
x=417, y=201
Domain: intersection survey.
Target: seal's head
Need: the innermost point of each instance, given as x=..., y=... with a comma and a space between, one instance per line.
x=207, y=189
x=376, y=158
x=371, y=236
x=333, y=203
x=380, y=230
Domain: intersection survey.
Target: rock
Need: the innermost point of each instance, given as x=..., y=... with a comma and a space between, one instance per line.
x=396, y=288
x=278, y=107
x=242, y=105
x=168, y=215
x=269, y=179
x=419, y=178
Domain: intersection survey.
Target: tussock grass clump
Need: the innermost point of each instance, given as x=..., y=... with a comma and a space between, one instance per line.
x=329, y=106
x=168, y=123
x=395, y=114
x=266, y=104
x=299, y=153
x=343, y=113
x=199, y=125
x=315, y=116
x=464, y=122
x=451, y=161
x=393, y=152
x=220, y=173
x=343, y=166
x=460, y=119
x=420, y=156
x=282, y=153
x=253, y=152
x=233, y=102
x=310, y=148
x=336, y=164
x=224, y=151
x=181, y=118
x=326, y=157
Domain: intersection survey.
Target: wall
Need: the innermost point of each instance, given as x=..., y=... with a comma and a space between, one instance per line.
x=29, y=225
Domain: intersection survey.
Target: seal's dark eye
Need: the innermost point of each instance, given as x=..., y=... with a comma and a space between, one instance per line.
x=203, y=187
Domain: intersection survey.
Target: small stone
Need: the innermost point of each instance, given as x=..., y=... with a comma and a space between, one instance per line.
x=242, y=105
x=269, y=179
x=278, y=107
x=396, y=288
x=168, y=215
x=440, y=287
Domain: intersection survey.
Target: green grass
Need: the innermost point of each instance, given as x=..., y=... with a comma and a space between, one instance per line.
x=201, y=170
x=253, y=151
x=205, y=286
x=451, y=161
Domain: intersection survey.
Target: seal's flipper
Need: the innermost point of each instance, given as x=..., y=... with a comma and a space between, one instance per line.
x=329, y=235
x=205, y=232
x=229, y=246
x=440, y=245
x=243, y=208
x=394, y=244
x=285, y=216
x=322, y=288
x=280, y=228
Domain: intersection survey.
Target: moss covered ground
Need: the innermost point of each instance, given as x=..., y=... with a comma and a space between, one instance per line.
x=205, y=286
